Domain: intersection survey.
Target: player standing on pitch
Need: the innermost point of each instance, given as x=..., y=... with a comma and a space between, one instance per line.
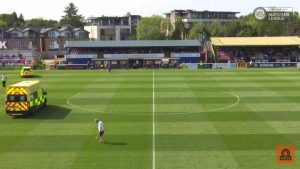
x=100, y=130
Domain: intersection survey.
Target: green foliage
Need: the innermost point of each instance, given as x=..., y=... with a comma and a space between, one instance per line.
x=215, y=29
x=2, y=23
x=249, y=26
x=40, y=22
x=180, y=31
x=231, y=29
x=149, y=28
x=21, y=18
x=72, y=17
x=197, y=28
x=166, y=28
x=11, y=20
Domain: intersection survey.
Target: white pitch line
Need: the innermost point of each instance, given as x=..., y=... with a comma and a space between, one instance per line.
x=161, y=114
x=211, y=110
x=153, y=123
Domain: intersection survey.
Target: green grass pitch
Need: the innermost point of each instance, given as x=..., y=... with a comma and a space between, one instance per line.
x=202, y=119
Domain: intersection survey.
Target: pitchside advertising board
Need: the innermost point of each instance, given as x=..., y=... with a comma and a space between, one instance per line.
x=134, y=56
x=273, y=13
x=3, y=45
x=270, y=65
x=80, y=58
x=16, y=44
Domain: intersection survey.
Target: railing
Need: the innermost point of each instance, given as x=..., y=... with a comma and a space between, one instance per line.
x=249, y=65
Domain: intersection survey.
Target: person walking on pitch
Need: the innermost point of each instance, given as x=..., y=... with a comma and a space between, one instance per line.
x=100, y=130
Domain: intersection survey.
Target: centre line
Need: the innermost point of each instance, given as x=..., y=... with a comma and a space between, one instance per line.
x=153, y=121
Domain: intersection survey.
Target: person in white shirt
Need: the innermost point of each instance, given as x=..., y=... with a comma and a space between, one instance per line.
x=3, y=78
x=100, y=130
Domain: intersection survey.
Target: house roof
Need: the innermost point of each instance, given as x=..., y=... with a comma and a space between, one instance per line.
x=256, y=41
x=135, y=43
x=44, y=30
x=79, y=29
x=30, y=29
x=14, y=29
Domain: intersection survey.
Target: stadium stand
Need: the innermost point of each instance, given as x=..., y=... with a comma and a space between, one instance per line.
x=254, y=50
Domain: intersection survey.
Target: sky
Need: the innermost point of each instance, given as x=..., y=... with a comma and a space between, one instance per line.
x=54, y=9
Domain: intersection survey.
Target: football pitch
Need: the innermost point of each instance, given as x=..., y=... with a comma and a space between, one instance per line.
x=161, y=119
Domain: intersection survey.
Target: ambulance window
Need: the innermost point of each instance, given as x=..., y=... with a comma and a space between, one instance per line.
x=31, y=97
x=22, y=98
x=35, y=95
x=11, y=98
x=16, y=98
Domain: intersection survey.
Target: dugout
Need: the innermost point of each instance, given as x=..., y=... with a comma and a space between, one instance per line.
x=134, y=53
x=257, y=51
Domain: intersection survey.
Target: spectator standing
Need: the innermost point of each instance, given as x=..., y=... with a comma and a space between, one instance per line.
x=3, y=78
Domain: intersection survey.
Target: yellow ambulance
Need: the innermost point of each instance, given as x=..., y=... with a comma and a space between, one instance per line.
x=25, y=98
x=26, y=72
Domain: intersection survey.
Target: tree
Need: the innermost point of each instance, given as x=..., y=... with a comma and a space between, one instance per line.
x=14, y=16
x=10, y=19
x=197, y=28
x=295, y=23
x=72, y=17
x=231, y=29
x=2, y=23
x=21, y=18
x=249, y=26
x=149, y=28
x=166, y=28
x=180, y=31
x=215, y=30
x=40, y=22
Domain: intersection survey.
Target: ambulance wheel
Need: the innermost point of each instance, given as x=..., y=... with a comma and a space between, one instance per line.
x=32, y=111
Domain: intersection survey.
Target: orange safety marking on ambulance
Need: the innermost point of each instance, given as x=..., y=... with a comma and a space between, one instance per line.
x=11, y=106
x=17, y=90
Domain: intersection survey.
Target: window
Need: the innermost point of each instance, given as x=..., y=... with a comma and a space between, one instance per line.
x=16, y=98
x=67, y=34
x=125, y=32
x=109, y=31
x=14, y=35
x=125, y=22
x=53, y=45
x=102, y=32
x=51, y=34
x=33, y=96
x=81, y=34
